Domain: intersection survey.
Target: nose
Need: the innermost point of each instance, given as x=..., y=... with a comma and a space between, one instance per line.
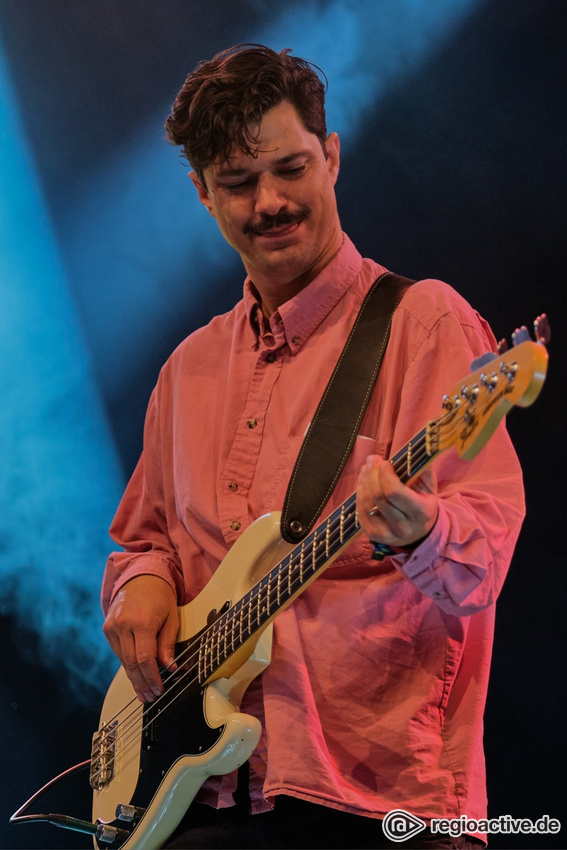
x=270, y=195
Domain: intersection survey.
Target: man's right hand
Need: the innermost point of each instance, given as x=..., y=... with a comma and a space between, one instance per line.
x=141, y=627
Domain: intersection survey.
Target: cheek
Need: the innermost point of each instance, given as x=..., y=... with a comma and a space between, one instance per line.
x=232, y=218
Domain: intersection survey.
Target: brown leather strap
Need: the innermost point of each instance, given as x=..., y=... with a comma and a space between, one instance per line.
x=334, y=427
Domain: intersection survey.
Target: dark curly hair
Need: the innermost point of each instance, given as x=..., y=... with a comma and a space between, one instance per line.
x=223, y=100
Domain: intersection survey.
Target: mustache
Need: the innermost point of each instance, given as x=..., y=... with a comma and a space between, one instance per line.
x=281, y=219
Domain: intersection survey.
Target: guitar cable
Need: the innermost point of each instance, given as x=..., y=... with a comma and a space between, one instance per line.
x=63, y=821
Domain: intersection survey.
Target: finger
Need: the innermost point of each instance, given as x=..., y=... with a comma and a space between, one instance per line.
x=383, y=493
x=393, y=494
x=133, y=650
x=140, y=664
x=166, y=642
x=369, y=489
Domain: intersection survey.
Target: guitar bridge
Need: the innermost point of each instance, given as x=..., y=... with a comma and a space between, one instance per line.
x=102, y=756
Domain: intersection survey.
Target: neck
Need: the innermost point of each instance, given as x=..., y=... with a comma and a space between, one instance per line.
x=273, y=296
x=275, y=289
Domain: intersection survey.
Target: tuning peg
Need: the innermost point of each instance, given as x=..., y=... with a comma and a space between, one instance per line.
x=542, y=329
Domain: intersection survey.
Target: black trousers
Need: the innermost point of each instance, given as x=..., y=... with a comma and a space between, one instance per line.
x=295, y=824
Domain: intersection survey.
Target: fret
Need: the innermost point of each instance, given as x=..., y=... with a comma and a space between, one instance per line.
x=301, y=556
x=207, y=658
x=327, y=534
x=342, y=525
x=201, y=663
x=224, y=637
x=232, y=636
x=268, y=594
x=216, y=644
x=249, y=623
x=408, y=460
x=257, y=604
x=240, y=625
x=314, y=555
x=259, y=607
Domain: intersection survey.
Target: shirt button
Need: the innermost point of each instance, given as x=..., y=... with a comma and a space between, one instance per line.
x=252, y=423
x=235, y=525
x=233, y=486
x=295, y=339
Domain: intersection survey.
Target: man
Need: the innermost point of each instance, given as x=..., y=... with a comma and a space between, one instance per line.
x=374, y=696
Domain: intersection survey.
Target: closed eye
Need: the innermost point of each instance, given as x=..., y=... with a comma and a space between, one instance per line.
x=288, y=173
x=292, y=172
x=238, y=187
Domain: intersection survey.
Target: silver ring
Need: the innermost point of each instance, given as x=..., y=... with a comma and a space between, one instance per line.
x=374, y=512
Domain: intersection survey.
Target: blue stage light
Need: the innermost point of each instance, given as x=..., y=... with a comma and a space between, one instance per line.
x=60, y=477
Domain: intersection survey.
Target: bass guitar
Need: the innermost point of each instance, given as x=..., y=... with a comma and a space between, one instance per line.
x=149, y=761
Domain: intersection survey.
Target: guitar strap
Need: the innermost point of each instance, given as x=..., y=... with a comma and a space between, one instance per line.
x=334, y=427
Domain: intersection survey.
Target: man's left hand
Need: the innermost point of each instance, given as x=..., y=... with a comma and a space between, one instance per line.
x=389, y=511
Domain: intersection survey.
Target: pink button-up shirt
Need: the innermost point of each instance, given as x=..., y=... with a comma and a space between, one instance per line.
x=375, y=693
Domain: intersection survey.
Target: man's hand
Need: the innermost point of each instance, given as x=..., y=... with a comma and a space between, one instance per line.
x=141, y=627
x=389, y=511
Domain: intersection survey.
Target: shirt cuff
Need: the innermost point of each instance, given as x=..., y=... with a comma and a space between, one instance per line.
x=418, y=565
x=143, y=565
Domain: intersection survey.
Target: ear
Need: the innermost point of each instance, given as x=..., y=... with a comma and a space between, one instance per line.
x=203, y=193
x=333, y=146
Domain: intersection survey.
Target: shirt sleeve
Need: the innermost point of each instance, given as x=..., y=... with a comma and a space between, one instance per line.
x=463, y=562
x=140, y=525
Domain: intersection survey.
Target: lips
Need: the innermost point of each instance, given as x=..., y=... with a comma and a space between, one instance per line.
x=282, y=224
x=275, y=232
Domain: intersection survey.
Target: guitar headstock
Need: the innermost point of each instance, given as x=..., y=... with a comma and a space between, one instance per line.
x=477, y=404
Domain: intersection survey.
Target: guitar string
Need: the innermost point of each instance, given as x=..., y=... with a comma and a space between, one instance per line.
x=191, y=654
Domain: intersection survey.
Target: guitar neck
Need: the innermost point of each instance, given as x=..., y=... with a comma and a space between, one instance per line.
x=301, y=566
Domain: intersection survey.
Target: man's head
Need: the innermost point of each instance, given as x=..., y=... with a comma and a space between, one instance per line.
x=225, y=98
x=252, y=124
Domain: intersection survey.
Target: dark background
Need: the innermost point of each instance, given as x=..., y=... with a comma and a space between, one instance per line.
x=458, y=172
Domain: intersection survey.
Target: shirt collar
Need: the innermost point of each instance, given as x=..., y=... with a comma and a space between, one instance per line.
x=297, y=318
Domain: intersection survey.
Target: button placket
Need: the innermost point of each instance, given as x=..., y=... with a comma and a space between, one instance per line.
x=242, y=460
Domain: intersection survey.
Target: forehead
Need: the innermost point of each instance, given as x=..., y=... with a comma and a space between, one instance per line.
x=281, y=136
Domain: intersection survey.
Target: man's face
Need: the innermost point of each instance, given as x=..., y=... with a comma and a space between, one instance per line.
x=278, y=210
